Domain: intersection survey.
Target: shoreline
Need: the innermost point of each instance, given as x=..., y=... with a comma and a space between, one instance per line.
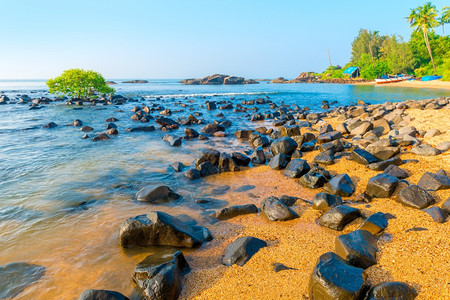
x=435, y=84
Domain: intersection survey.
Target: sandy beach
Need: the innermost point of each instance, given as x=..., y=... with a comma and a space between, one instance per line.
x=419, y=258
x=434, y=84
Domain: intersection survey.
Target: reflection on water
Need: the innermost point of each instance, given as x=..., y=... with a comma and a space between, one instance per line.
x=63, y=197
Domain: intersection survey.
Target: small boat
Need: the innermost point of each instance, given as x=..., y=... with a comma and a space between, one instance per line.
x=431, y=77
x=392, y=78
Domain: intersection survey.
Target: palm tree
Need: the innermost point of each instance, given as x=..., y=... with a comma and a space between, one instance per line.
x=424, y=18
x=445, y=18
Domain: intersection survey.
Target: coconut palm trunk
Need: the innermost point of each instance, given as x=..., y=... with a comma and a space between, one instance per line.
x=427, y=43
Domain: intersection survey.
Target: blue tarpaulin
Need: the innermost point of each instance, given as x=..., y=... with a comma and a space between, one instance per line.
x=350, y=70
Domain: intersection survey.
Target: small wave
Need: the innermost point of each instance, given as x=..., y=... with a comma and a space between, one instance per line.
x=208, y=95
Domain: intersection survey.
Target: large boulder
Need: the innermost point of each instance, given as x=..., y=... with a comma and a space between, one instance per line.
x=241, y=250
x=415, y=196
x=160, y=276
x=334, y=279
x=156, y=194
x=392, y=290
x=325, y=201
x=381, y=186
x=339, y=216
x=340, y=185
x=101, y=295
x=275, y=210
x=296, y=168
x=285, y=145
x=358, y=248
x=161, y=229
x=16, y=277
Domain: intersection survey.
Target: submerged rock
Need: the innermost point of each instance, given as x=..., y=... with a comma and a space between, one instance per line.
x=16, y=277
x=156, y=194
x=161, y=229
x=241, y=250
x=334, y=279
x=160, y=276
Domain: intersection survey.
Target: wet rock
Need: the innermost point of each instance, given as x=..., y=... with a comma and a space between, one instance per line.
x=340, y=185
x=210, y=105
x=242, y=134
x=334, y=279
x=308, y=146
x=207, y=168
x=358, y=248
x=313, y=180
x=414, y=196
x=50, y=125
x=425, y=150
x=296, y=168
x=382, y=165
x=391, y=290
x=241, y=250
x=279, y=161
x=258, y=157
x=334, y=146
x=434, y=182
x=275, y=210
x=285, y=145
x=395, y=171
x=172, y=140
x=234, y=211
x=212, y=128
x=375, y=224
x=86, y=136
x=288, y=200
x=142, y=129
x=178, y=166
x=86, y=128
x=325, y=201
x=160, y=276
x=16, y=277
x=362, y=129
x=192, y=174
x=324, y=158
x=160, y=229
x=362, y=157
x=227, y=164
x=101, y=295
x=381, y=186
x=438, y=215
x=111, y=125
x=77, y=123
x=240, y=159
x=210, y=155
x=165, y=122
x=156, y=194
x=112, y=131
x=339, y=216
x=100, y=137
x=290, y=130
x=329, y=137
x=190, y=133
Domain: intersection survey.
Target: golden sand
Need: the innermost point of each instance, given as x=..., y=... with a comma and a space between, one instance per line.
x=434, y=84
x=419, y=258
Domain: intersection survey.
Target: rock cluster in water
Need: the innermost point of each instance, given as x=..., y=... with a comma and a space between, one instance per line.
x=218, y=79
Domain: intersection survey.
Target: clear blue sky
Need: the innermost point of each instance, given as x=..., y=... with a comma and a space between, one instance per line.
x=183, y=39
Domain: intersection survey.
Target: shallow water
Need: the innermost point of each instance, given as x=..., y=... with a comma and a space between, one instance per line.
x=63, y=198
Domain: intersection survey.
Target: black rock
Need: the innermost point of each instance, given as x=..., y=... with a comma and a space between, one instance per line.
x=433, y=182
x=190, y=133
x=415, y=196
x=358, y=248
x=163, y=121
x=100, y=137
x=172, y=140
x=395, y=171
x=101, y=295
x=161, y=229
x=50, y=125
x=275, y=210
x=77, y=123
x=207, y=168
x=178, y=166
x=382, y=165
x=296, y=168
x=324, y=158
x=392, y=290
x=313, y=180
x=446, y=205
x=241, y=250
x=234, y=211
x=112, y=119
x=362, y=157
x=279, y=161
x=227, y=164
x=210, y=155
x=112, y=131
x=381, y=186
x=285, y=145
x=325, y=201
x=16, y=277
x=375, y=224
x=160, y=276
x=192, y=174
x=156, y=194
x=86, y=128
x=111, y=125
x=141, y=129
x=240, y=159
x=288, y=200
x=308, y=146
x=212, y=128
x=334, y=279
x=438, y=215
x=258, y=157
x=340, y=185
x=339, y=216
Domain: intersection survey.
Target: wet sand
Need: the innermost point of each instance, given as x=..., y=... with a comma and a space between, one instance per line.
x=420, y=258
x=434, y=84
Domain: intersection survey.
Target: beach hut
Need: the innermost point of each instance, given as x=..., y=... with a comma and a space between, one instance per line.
x=352, y=72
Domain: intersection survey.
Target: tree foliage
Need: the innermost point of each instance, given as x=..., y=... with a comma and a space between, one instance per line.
x=398, y=55
x=367, y=42
x=79, y=83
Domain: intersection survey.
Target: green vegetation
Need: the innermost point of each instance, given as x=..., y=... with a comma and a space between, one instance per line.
x=79, y=83
x=426, y=52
